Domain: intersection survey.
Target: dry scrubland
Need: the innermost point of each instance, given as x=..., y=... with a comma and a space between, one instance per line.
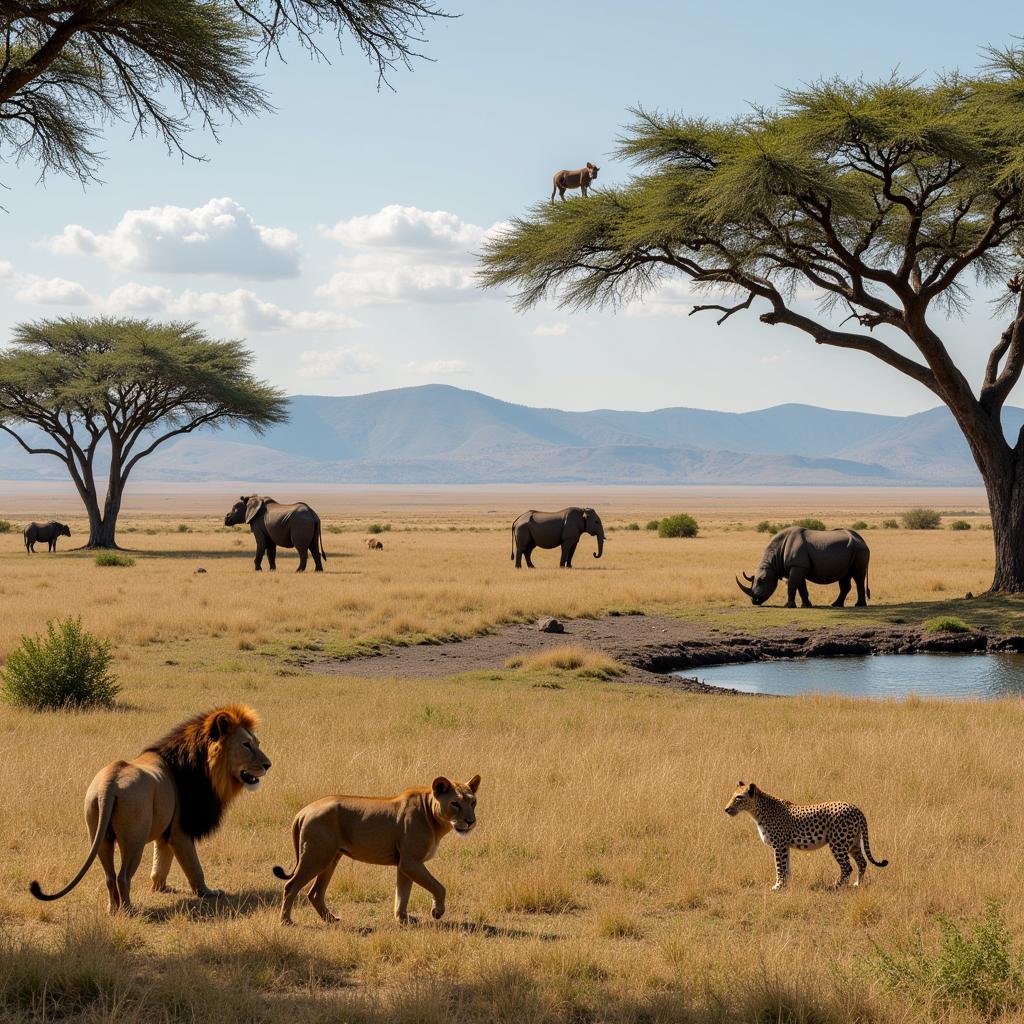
x=604, y=881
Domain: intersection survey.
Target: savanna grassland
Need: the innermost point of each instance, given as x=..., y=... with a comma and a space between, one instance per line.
x=604, y=883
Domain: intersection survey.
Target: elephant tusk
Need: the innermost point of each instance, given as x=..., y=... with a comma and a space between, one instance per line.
x=746, y=590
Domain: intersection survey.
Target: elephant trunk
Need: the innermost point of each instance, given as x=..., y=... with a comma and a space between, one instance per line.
x=600, y=546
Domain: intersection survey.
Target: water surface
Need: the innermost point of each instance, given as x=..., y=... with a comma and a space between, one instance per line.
x=882, y=675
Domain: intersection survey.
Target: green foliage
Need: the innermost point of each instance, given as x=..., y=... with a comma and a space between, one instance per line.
x=652, y=524
x=632, y=526
x=809, y=524
x=184, y=528
x=890, y=524
x=112, y=558
x=6, y=526
x=921, y=519
x=768, y=527
x=79, y=64
x=974, y=966
x=947, y=624
x=860, y=525
x=960, y=524
x=66, y=669
x=680, y=525
x=378, y=528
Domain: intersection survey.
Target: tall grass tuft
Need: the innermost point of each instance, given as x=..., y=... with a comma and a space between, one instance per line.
x=6, y=526
x=108, y=558
x=67, y=669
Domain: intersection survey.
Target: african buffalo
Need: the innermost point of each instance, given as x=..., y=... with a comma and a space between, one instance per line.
x=48, y=532
x=799, y=556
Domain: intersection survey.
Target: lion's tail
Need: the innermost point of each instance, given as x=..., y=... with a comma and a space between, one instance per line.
x=106, y=808
x=280, y=872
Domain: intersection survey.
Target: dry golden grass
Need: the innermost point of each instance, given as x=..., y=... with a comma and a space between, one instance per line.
x=604, y=882
x=570, y=658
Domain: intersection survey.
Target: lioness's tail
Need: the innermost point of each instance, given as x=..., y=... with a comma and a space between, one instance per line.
x=865, y=848
x=106, y=808
x=280, y=872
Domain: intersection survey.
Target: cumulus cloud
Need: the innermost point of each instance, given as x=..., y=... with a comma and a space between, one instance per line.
x=550, y=330
x=220, y=237
x=327, y=364
x=439, y=367
x=51, y=291
x=402, y=254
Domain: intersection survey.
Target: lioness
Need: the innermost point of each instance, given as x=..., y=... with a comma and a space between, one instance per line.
x=173, y=793
x=403, y=830
x=580, y=179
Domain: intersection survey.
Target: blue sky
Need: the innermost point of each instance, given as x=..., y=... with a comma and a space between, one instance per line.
x=334, y=233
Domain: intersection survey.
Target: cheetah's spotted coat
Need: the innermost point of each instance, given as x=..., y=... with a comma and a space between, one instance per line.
x=783, y=826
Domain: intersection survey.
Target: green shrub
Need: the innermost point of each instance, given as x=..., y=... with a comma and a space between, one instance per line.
x=6, y=526
x=766, y=527
x=921, y=519
x=652, y=524
x=975, y=966
x=632, y=526
x=959, y=524
x=947, y=624
x=68, y=668
x=378, y=528
x=184, y=528
x=890, y=524
x=680, y=525
x=860, y=525
x=113, y=558
x=809, y=524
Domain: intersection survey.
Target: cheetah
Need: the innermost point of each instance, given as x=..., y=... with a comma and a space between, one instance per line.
x=783, y=825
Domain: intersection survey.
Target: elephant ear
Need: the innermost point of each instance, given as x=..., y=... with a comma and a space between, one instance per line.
x=253, y=507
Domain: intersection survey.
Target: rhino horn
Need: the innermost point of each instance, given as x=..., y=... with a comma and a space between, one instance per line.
x=746, y=590
x=749, y=579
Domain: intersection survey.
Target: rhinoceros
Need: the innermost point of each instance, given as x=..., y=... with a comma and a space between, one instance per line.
x=799, y=556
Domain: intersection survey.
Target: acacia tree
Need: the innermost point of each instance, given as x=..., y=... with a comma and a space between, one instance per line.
x=67, y=65
x=887, y=199
x=117, y=389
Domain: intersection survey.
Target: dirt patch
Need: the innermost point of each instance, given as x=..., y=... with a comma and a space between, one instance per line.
x=654, y=645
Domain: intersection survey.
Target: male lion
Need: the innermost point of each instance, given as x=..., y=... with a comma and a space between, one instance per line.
x=173, y=793
x=403, y=831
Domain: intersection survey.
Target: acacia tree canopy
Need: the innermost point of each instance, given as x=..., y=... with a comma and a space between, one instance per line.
x=66, y=66
x=117, y=389
x=888, y=200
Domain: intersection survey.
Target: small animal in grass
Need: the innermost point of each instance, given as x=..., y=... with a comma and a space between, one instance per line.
x=783, y=826
x=402, y=831
x=375, y=545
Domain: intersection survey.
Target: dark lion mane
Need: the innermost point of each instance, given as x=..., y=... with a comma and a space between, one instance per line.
x=192, y=751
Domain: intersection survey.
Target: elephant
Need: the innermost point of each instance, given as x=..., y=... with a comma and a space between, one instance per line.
x=273, y=526
x=563, y=529
x=44, y=531
x=799, y=556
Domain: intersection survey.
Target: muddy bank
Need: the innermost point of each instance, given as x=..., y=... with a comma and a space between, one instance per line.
x=653, y=645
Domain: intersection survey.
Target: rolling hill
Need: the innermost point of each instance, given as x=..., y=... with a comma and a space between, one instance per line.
x=441, y=434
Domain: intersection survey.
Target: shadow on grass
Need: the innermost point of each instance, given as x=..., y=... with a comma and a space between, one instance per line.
x=230, y=905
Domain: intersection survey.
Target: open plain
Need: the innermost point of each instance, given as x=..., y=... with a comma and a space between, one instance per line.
x=603, y=883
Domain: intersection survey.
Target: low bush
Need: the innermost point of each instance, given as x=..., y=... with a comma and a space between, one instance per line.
x=632, y=526
x=890, y=524
x=652, y=524
x=6, y=526
x=947, y=624
x=809, y=524
x=975, y=966
x=860, y=525
x=959, y=524
x=184, y=528
x=767, y=527
x=378, y=528
x=113, y=558
x=66, y=669
x=921, y=519
x=680, y=525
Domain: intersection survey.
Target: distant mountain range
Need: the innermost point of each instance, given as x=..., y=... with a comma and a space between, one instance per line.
x=440, y=434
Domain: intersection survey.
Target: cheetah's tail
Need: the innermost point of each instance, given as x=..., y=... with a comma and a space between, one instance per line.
x=865, y=848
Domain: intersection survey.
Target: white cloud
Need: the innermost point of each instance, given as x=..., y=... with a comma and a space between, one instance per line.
x=6, y=270
x=439, y=367
x=402, y=254
x=550, y=330
x=326, y=364
x=51, y=291
x=219, y=237
x=774, y=357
